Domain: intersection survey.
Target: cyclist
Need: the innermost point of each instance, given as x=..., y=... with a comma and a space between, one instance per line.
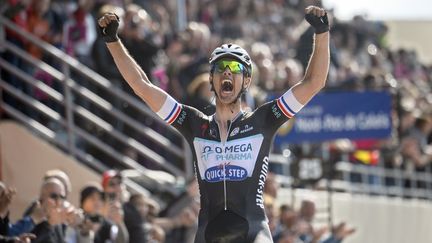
x=230, y=147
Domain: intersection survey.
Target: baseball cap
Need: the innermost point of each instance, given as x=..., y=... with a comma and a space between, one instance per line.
x=108, y=175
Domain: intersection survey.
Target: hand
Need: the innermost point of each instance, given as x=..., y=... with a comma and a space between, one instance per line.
x=317, y=18
x=38, y=213
x=318, y=234
x=114, y=212
x=74, y=216
x=186, y=218
x=55, y=214
x=6, y=195
x=341, y=231
x=25, y=238
x=88, y=226
x=108, y=25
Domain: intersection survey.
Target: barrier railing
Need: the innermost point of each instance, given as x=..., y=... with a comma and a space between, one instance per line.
x=79, y=119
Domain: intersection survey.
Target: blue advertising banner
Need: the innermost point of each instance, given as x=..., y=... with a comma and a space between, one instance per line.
x=328, y=116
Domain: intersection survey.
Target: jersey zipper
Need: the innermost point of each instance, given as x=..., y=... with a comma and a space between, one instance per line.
x=223, y=146
x=224, y=164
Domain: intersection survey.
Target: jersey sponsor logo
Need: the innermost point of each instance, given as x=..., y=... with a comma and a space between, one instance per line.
x=261, y=183
x=276, y=111
x=227, y=172
x=181, y=117
x=235, y=131
x=241, y=152
x=247, y=128
x=224, y=153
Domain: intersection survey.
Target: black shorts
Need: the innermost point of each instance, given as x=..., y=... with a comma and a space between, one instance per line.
x=229, y=227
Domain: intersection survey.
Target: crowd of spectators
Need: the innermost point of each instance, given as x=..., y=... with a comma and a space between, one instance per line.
x=176, y=59
x=274, y=33
x=108, y=212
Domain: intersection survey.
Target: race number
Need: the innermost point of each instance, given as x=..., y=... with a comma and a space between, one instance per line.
x=310, y=169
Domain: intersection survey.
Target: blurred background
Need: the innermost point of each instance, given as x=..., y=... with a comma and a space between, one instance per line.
x=80, y=152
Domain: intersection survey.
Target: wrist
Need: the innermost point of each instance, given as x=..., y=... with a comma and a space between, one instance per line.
x=36, y=220
x=110, y=39
x=322, y=30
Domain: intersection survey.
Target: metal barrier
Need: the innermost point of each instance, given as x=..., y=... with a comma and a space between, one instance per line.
x=77, y=118
x=377, y=180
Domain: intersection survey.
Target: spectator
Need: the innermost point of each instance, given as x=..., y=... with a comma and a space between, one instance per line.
x=141, y=36
x=103, y=220
x=52, y=197
x=113, y=186
x=309, y=234
x=44, y=24
x=51, y=203
x=62, y=176
x=200, y=95
x=416, y=151
x=146, y=208
x=287, y=222
x=6, y=196
x=80, y=32
x=16, y=11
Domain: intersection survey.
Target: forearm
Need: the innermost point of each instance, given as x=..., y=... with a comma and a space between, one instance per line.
x=25, y=225
x=167, y=224
x=127, y=66
x=135, y=76
x=317, y=70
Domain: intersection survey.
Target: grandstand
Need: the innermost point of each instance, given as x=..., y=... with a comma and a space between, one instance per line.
x=360, y=151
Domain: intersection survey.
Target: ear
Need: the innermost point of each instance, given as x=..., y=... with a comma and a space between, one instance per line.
x=247, y=83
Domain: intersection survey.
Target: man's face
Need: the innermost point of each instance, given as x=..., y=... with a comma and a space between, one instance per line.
x=54, y=191
x=228, y=80
x=308, y=210
x=115, y=185
x=289, y=217
x=93, y=204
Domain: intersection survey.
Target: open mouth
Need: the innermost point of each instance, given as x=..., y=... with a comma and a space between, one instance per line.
x=227, y=86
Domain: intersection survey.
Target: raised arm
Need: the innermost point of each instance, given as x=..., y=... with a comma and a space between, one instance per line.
x=317, y=70
x=129, y=69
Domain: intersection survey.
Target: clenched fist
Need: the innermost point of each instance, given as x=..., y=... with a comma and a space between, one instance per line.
x=108, y=25
x=317, y=18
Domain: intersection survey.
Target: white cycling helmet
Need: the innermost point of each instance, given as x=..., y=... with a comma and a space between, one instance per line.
x=234, y=51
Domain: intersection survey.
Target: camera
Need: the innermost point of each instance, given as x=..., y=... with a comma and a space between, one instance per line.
x=95, y=218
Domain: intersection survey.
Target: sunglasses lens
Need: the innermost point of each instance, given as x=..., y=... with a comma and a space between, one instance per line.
x=56, y=196
x=234, y=66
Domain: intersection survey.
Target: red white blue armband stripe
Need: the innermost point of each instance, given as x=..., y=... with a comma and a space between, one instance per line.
x=288, y=104
x=170, y=110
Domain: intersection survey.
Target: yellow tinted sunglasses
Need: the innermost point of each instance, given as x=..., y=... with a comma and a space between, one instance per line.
x=235, y=66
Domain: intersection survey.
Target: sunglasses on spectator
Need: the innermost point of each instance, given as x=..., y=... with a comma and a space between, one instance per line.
x=56, y=196
x=235, y=66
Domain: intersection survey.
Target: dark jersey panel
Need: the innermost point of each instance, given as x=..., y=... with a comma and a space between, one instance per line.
x=231, y=174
